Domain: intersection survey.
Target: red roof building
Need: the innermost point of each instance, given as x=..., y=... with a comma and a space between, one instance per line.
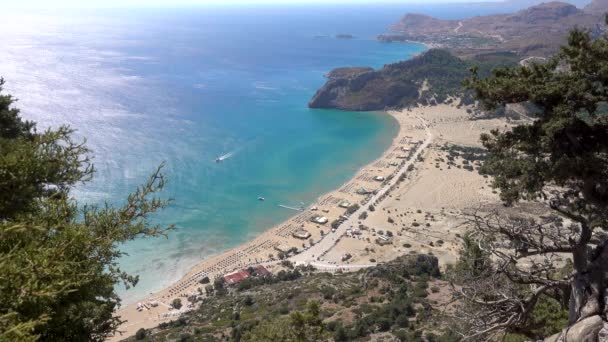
x=261, y=271
x=236, y=277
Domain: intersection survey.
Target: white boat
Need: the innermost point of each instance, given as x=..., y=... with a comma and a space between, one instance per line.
x=261, y=199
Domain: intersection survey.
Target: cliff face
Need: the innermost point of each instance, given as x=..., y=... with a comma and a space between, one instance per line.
x=394, y=86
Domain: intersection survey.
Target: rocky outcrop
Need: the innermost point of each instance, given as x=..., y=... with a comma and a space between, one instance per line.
x=394, y=86
x=590, y=329
x=586, y=330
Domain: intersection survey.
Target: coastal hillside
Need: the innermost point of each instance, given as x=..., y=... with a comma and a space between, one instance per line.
x=429, y=78
x=536, y=31
x=397, y=300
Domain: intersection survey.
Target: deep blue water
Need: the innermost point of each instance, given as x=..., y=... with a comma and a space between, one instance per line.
x=186, y=85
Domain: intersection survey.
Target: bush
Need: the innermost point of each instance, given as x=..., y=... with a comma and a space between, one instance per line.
x=327, y=292
x=141, y=334
x=340, y=334
x=186, y=338
x=402, y=321
x=371, y=208
x=248, y=301
x=352, y=209
x=383, y=324
x=363, y=215
x=205, y=280
x=176, y=303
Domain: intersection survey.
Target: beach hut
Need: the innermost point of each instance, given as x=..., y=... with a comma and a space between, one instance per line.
x=301, y=234
x=319, y=219
x=363, y=191
x=344, y=204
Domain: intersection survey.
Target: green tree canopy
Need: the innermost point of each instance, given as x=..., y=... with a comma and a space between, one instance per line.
x=59, y=260
x=560, y=159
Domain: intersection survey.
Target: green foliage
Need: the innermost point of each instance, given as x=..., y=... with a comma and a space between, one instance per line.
x=177, y=303
x=548, y=318
x=300, y=326
x=59, y=259
x=566, y=145
x=561, y=160
x=11, y=125
x=335, y=224
x=140, y=334
x=281, y=308
x=352, y=209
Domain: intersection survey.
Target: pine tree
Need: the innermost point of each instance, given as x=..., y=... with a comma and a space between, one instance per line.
x=561, y=160
x=58, y=259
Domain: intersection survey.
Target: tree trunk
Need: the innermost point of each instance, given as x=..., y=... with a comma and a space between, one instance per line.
x=589, y=284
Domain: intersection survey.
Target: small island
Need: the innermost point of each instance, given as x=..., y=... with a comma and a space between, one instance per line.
x=344, y=36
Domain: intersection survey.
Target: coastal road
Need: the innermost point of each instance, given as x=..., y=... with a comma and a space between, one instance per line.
x=309, y=256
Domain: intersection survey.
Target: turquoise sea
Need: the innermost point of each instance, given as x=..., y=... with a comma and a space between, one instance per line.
x=187, y=85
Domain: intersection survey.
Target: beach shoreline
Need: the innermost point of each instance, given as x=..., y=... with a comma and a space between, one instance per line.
x=418, y=195
x=258, y=250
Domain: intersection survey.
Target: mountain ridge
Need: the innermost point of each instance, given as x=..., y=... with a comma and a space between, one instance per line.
x=535, y=31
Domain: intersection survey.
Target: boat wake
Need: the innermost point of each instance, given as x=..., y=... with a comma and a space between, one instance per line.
x=224, y=157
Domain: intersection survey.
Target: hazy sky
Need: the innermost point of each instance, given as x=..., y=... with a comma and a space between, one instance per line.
x=156, y=3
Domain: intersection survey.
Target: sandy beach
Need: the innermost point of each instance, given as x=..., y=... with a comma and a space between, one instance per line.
x=417, y=197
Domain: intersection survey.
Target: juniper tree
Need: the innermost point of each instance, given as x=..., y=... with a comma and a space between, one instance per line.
x=58, y=260
x=560, y=159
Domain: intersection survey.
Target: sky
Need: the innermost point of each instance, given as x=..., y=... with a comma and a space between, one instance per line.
x=165, y=3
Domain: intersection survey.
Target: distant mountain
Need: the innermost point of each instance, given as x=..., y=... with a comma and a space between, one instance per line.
x=535, y=31
x=597, y=7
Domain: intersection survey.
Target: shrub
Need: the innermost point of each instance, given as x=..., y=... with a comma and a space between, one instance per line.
x=327, y=291
x=340, y=334
x=176, y=303
x=141, y=334
x=284, y=310
x=248, y=301
x=352, y=209
x=383, y=324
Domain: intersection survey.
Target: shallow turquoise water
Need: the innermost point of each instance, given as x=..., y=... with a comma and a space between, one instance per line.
x=186, y=86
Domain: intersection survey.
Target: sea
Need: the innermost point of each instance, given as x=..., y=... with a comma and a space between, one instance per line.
x=186, y=86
